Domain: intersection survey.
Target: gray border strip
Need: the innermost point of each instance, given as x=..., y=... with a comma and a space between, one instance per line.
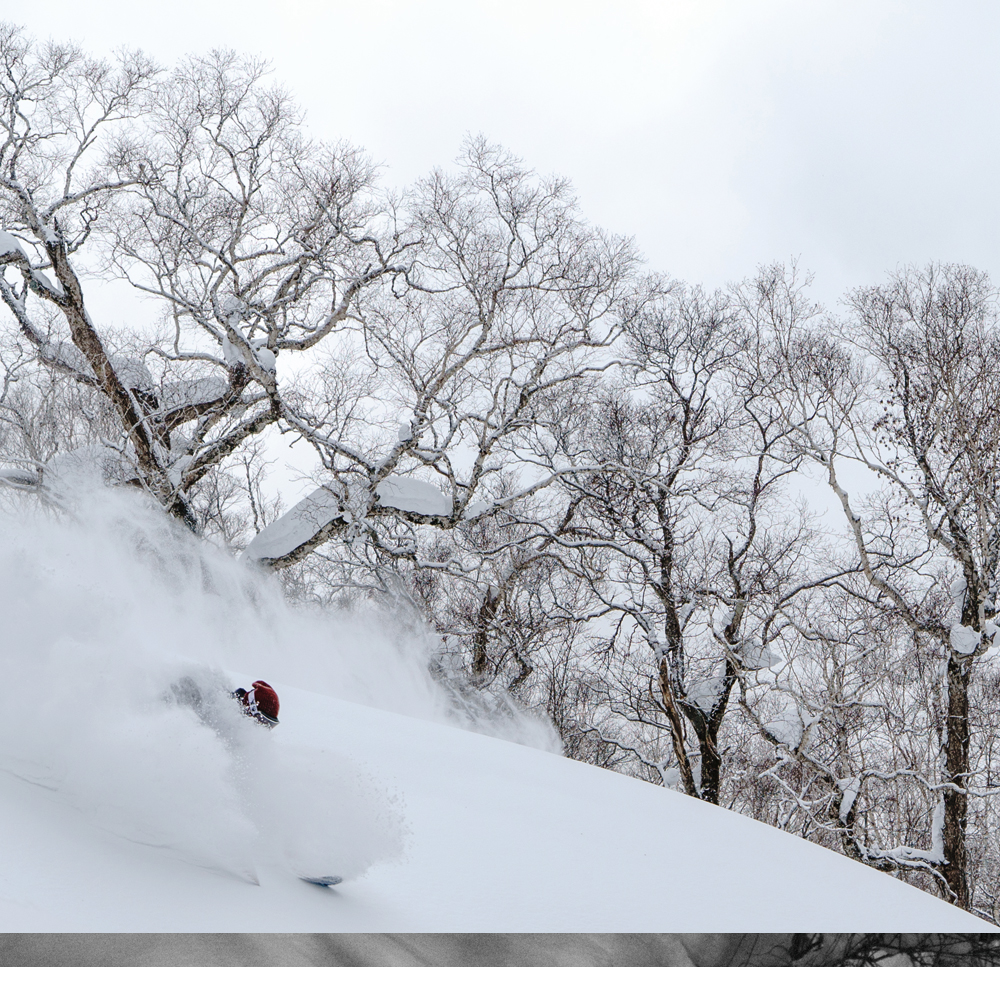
x=342, y=950
x=495, y=950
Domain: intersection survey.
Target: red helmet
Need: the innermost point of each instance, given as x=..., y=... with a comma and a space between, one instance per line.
x=260, y=703
x=267, y=700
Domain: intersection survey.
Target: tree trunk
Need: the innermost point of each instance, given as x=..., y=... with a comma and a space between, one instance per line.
x=711, y=765
x=956, y=803
x=706, y=727
x=676, y=729
x=484, y=622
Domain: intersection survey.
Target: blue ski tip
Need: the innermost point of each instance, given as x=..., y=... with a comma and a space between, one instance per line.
x=324, y=880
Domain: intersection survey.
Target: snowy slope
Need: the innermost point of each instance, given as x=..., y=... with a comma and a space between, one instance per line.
x=500, y=838
x=126, y=806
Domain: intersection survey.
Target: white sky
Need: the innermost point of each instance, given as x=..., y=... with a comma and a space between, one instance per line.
x=858, y=135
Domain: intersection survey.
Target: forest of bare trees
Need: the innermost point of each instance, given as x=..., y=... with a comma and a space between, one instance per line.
x=725, y=541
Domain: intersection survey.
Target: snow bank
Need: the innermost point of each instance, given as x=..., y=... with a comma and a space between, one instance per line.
x=106, y=611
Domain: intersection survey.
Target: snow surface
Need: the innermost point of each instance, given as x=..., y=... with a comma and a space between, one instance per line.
x=477, y=508
x=413, y=495
x=129, y=807
x=296, y=526
x=787, y=728
x=265, y=356
x=191, y=392
x=964, y=639
x=10, y=244
x=69, y=354
x=42, y=278
x=132, y=372
x=500, y=838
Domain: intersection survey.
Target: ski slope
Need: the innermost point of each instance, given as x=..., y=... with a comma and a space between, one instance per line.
x=122, y=808
x=498, y=837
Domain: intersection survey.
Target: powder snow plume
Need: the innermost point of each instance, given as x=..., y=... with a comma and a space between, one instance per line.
x=121, y=636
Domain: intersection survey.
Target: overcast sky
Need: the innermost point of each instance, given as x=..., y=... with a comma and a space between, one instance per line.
x=857, y=136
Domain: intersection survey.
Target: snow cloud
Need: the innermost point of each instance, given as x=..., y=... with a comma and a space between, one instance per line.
x=112, y=615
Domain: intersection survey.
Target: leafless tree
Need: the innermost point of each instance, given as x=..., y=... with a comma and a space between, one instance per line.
x=909, y=394
x=464, y=300
x=852, y=717
x=680, y=537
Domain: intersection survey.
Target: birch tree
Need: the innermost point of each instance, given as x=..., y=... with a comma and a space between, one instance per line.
x=922, y=417
x=390, y=333
x=508, y=298
x=852, y=716
x=678, y=537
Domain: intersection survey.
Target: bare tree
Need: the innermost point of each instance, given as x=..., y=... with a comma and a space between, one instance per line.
x=509, y=297
x=852, y=716
x=679, y=538
x=464, y=300
x=923, y=418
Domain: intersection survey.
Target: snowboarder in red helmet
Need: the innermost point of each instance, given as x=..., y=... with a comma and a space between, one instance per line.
x=260, y=703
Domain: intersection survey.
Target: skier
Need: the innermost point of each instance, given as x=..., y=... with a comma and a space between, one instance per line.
x=260, y=703
x=206, y=692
